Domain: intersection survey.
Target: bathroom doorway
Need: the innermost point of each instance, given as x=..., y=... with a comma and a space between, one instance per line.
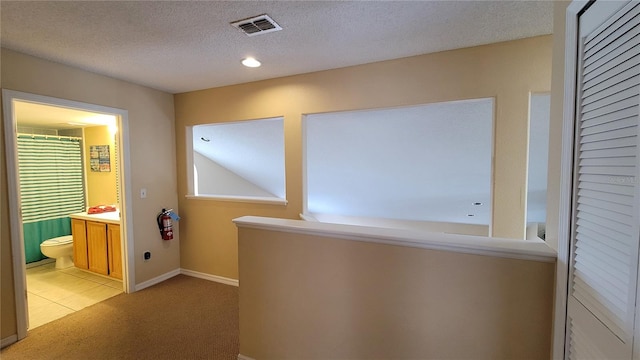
x=95, y=130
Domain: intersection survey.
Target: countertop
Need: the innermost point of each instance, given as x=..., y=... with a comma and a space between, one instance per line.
x=112, y=217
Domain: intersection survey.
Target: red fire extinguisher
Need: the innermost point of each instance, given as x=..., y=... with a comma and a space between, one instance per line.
x=165, y=225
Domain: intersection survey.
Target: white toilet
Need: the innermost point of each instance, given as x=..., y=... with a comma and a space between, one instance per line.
x=59, y=248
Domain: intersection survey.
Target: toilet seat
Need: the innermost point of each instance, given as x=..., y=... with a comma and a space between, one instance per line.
x=61, y=240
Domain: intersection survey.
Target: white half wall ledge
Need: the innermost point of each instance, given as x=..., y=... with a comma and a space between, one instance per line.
x=534, y=250
x=245, y=199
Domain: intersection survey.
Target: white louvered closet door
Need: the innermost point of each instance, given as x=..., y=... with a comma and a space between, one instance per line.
x=605, y=232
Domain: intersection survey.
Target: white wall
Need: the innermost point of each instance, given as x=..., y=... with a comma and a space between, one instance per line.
x=429, y=162
x=539, y=119
x=214, y=179
x=442, y=227
x=251, y=149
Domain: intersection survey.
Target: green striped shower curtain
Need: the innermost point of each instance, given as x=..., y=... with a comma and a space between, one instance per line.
x=51, y=188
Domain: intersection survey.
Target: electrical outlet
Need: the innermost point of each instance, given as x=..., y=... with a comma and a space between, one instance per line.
x=147, y=255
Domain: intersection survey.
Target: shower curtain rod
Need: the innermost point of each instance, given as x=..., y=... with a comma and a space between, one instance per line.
x=33, y=136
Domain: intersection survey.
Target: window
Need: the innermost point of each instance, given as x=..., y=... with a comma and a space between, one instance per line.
x=238, y=161
x=428, y=163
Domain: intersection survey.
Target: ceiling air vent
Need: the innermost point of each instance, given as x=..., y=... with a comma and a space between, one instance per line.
x=257, y=25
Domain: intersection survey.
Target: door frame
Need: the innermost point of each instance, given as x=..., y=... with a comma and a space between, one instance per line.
x=566, y=175
x=17, y=243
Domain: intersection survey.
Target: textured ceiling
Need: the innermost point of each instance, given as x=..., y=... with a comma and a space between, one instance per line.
x=180, y=46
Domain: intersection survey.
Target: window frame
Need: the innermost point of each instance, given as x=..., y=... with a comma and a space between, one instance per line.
x=191, y=179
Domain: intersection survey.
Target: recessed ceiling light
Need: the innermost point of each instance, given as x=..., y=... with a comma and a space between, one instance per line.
x=251, y=62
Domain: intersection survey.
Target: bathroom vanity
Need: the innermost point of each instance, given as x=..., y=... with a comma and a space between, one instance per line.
x=96, y=243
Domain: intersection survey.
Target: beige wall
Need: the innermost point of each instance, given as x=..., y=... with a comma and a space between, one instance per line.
x=314, y=297
x=507, y=71
x=101, y=186
x=8, y=324
x=152, y=137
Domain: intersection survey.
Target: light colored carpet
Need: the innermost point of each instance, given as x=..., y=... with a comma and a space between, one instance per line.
x=180, y=318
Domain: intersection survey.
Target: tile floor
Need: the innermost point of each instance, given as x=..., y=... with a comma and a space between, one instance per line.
x=54, y=293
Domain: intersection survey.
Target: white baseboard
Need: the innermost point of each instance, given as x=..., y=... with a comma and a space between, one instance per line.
x=8, y=340
x=243, y=357
x=216, y=278
x=157, y=279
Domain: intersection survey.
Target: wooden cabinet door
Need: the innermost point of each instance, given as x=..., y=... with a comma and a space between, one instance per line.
x=115, y=251
x=79, y=232
x=97, y=247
